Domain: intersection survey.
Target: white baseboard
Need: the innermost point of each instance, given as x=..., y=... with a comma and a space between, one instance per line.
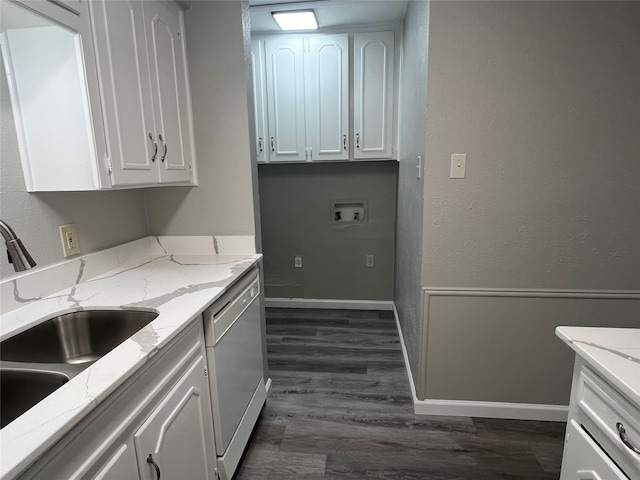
x=329, y=303
x=465, y=408
x=517, y=411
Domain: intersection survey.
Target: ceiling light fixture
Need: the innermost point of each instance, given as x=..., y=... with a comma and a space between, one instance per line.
x=296, y=20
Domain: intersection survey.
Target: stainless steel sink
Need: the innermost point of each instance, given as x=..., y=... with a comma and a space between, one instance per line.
x=22, y=389
x=76, y=337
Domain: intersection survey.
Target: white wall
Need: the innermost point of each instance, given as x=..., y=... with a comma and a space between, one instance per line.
x=223, y=204
x=544, y=98
x=103, y=219
x=411, y=144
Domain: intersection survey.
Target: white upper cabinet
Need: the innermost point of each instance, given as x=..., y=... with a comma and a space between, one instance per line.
x=310, y=116
x=144, y=85
x=260, y=99
x=99, y=93
x=373, y=72
x=327, y=95
x=285, y=83
x=169, y=86
x=47, y=52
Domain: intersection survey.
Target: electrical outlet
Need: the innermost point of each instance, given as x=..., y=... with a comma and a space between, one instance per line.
x=297, y=261
x=70, y=241
x=371, y=260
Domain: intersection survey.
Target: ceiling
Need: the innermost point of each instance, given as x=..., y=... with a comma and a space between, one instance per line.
x=331, y=14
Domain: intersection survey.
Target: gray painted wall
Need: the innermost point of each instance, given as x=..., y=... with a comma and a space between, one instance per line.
x=223, y=204
x=543, y=97
x=103, y=219
x=412, y=137
x=295, y=211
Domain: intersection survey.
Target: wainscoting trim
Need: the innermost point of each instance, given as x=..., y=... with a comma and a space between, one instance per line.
x=329, y=303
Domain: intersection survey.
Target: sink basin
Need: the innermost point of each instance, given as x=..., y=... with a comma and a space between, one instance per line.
x=22, y=389
x=74, y=338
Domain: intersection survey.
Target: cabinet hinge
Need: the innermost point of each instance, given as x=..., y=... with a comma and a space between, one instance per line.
x=205, y=372
x=190, y=167
x=179, y=35
x=107, y=162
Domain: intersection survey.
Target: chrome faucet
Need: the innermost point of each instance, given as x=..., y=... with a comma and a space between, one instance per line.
x=16, y=251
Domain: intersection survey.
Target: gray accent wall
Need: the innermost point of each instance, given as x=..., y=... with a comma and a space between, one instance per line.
x=103, y=219
x=543, y=98
x=223, y=203
x=295, y=203
x=411, y=144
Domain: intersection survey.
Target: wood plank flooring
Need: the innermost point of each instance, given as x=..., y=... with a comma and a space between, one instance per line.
x=340, y=407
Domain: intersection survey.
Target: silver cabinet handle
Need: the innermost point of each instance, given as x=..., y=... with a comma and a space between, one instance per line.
x=260, y=144
x=155, y=146
x=164, y=146
x=311, y=152
x=273, y=145
x=344, y=142
x=357, y=140
x=155, y=465
x=623, y=436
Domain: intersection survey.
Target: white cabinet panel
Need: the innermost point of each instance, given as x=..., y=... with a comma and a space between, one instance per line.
x=583, y=459
x=285, y=79
x=260, y=99
x=124, y=77
x=373, y=71
x=165, y=44
x=327, y=95
x=185, y=413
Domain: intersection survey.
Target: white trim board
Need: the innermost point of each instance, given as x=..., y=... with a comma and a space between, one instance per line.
x=329, y=303
x=465, y=408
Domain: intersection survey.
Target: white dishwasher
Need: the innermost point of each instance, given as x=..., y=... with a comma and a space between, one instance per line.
x=234, y=357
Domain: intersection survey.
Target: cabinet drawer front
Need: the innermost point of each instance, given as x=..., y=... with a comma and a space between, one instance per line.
x=603, y=409
x=584, y=460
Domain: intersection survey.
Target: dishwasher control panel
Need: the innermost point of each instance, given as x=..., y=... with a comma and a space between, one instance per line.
x=220, y=316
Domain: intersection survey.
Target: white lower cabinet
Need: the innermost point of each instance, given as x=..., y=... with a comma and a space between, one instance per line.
x=160, y=442
x=162, y=414
x=603, y=433
x=584, y=459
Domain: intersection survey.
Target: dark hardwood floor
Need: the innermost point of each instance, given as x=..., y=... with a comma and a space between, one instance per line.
x=340, y=407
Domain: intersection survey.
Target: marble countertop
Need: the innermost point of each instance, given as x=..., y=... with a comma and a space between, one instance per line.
x=147, y=275
x=614, y=353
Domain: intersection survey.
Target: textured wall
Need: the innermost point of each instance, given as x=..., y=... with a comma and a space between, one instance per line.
x=104, y=219
x=543, y=97
x=295, y=204
x=412, y=137
x=223, y=202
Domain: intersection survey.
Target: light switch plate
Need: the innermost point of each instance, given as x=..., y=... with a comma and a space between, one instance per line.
x=70, y=241
x=458, y=165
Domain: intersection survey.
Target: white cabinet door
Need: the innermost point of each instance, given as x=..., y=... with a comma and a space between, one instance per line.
x=169, y=87
x=373, y=94
x=178, y=435
x=260, y=99
x=285, y=83
x=327, y=97
x=584, y=460
x=121, y=53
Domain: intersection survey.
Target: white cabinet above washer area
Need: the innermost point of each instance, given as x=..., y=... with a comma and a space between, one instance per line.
x=324, y=97
x=100, y=93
